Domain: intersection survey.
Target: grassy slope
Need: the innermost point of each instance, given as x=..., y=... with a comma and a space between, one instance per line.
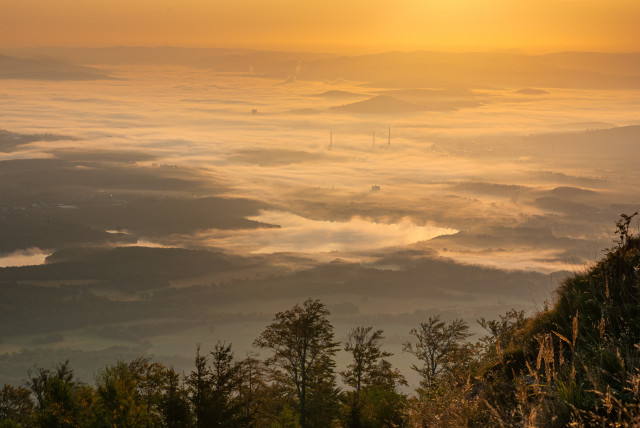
x=578, y=361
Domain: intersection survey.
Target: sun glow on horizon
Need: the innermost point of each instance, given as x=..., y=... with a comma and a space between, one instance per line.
x=330, y=25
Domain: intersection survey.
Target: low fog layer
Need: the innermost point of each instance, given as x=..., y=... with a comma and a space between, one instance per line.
x=177, y=205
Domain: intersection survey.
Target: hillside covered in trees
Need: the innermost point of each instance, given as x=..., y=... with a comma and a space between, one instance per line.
x=574, y=363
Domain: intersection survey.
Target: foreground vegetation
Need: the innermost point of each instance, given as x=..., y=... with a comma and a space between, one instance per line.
x=576, y=363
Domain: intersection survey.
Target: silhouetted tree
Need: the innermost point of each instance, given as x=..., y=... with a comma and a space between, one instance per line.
x=438, y=345
x=502, y=332
x=228, y=405
x=303, y=346
x=16, y=406
x=252, y=385
x=447, y=361
x=214, y=389
x=152, y=381
x=199, y=387
x=119, y=389
x=622, y=228
x=174, y=404
x=61, y=401
x=323, y=396
x=373, y=381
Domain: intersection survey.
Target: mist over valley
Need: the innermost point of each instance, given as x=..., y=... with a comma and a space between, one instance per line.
x=152, y=199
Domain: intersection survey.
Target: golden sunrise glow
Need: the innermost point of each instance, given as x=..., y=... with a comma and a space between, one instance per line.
x=533, y=25
x=175, y=172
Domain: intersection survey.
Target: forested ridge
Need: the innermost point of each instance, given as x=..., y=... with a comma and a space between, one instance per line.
x=575, y=363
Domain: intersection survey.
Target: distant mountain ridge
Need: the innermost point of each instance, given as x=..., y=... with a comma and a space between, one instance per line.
x=46, y=69
x=380, y=104
x=419, y=69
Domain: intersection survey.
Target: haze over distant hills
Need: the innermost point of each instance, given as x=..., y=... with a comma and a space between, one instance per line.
x=45, y=69
x=421, y=69
x=198, y=191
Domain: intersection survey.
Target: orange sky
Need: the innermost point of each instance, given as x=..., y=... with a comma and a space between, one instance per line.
x=330, y=25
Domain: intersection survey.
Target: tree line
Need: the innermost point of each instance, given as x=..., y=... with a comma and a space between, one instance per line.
x=296, y=386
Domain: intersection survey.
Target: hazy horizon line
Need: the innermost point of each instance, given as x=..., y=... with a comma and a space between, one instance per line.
x=349, y=52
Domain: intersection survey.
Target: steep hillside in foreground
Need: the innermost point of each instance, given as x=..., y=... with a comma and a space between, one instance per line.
x=577, y=362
